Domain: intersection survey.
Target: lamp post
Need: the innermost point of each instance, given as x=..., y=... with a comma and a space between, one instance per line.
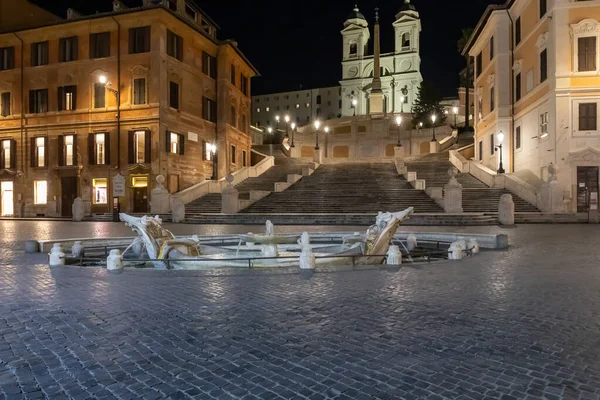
x=402, y=104
x=433, y=118
x=500, y=140
x=354, y=103
x=455, y=111
x=317, y=125
x=326, y=130
x=293, y=129
x=287, y=125
x=398, y=123
x=213, y=151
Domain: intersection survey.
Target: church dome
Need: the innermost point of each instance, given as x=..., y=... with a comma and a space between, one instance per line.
x=356, y=14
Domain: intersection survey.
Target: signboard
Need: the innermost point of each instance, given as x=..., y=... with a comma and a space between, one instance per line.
x=118, y=185
x=594, y=201
x=193, y=136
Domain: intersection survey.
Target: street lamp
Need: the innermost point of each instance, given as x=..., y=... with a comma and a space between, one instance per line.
x=433, y=118
x=455, y=111
x=402, y=104
x=500, y=140
x=293, y=129
x=287, y=124
x=213, y=151
x=270, y=130
x=317, y=125
x=398, y=123
x=354, y=103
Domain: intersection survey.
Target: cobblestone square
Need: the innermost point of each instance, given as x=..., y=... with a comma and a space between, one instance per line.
x=519, y=324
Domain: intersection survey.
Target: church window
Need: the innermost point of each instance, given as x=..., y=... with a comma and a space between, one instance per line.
x=258, y=110
x=405, y=40
x=353, y=49
x=267, y=109
x=297, y=105
x=307, y=105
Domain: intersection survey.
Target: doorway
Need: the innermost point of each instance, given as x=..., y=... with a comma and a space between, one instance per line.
x=6, y=189
x=587, y=183
x=140, y=194
x=68, y=193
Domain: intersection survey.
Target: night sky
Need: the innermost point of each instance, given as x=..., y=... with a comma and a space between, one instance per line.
x=294, y=42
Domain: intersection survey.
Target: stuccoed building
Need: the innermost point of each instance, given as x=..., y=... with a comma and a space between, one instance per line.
x=136, y=92
x=536, y=83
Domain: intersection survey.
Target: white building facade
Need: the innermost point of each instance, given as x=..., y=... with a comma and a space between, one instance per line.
x=400, y=70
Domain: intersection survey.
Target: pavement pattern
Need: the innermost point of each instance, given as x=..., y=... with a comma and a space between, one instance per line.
x=518, y=324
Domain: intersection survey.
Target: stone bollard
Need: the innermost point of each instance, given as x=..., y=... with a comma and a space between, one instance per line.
x=160, y=197
x=57, y=256
x=230, y=203
x=32, y=246
x=456, y=250
x=453, y=193
x=411, y=242
x=307, y=257
x=78, y=210
x=114, y=262
x=394, y=256
x=77, y=250
x=178, y=210
x=506, y=210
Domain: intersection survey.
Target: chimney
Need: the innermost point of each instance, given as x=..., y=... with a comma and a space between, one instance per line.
x=118, y=6
x=72, y=13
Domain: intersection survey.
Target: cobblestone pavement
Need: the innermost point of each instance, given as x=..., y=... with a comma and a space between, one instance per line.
x=520, y=324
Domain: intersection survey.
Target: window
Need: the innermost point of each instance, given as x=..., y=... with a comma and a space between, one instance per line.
x=492, y=48
x=244, y=154
x=340, y=105
x=518, y=137
x=517, y=31
x=40, y=192
x=172, y=4
x=174, y=95
x=297, y=105
x=353, y=49
x=99, y=148
x=243, y=123
x=207, y=151
x=518, y=87
x=232, y=78
x=233, y=157
x=209, y=109
x=478, y=65
x=67, y=98
x=175, y=143
x=586, y=54
x=480, y=108
x=100, y=45
x=480, y=148
x=244, y=84
x=492, y=99
x=38, y=101
x=139, y=40
x=140, y=147
x=99, y=95
x=405, y=40
x=209, y=65
x=174, y=45
x=5, y=104
x=8, y=157
x=100, y=186
x=588, y=116
x=544, y=125
x=267, y=109
x=257, y=109
x=190, y=12
x=233, y=120
x=139, y=91
x=7, y=58
x=543, y=8
x=39, y=54
x=492, y=144
x=67, y=49
x=307, y=105
x=38, y=150
x=543, y=65
x=67, y=150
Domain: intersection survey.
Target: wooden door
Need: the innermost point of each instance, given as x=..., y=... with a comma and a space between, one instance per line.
x=68, y=194
x=587, y=182
x=140, y=199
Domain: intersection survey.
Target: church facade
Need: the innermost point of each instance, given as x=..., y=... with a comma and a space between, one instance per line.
x=400, y=70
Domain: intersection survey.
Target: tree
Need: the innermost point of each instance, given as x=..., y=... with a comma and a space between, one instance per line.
x=427, y=104
x=467, y=81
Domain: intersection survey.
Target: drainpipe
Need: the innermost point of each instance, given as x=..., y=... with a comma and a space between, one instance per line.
x=512, y=93
x=23, y=144
x=118, y=93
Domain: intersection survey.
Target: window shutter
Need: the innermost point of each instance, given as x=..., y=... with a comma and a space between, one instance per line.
x=74, y=95
x=170, y=38
x=75, y=47
x=168, y=141
x=75, y=152
x=130, y=144
x=179, y=48
x=148, y=146
x=61, y=98
x=62, y=50
x=213, y=67
x=146, y=38
x=44, y=100
x=32, y=152
x=31, y=101
x=131, y=40
x=46, y=151
x=61, y=150
x=11, y=57
x=93, y=45
x=45, y=53
x=107, y=146
x=181, y=144
x=91, y=149
x=33, y=60
x=203, y=150
x=13, y=154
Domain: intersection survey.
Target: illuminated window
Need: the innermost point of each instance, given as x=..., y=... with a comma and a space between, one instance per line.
x=267, y=109
x=100, y=147
x=174, y=143
x=258, y=109
x=100, y=190
x=40, y=192
x=69, y=153
x=6, y=160
x=139, y=146
x=139, y=181
x=40, y=153
x=297, y=105
x=307, y=105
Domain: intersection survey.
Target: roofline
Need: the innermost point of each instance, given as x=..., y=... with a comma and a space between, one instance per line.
x=297, y=90
x=483, y=21
x=141, y=9
x=200, y=10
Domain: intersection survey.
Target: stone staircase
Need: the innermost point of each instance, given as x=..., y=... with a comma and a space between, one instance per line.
x=347, y=188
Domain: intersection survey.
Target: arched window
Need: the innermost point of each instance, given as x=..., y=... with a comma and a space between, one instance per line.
x=406, y=40
x=353, y=49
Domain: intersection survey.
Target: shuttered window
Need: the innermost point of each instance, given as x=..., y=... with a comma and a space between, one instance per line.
x=518, y=137
x=7, y=58
x=99, y=148
x=140, y=147
x=518, y=87
x=174, y=95
x=588, y=116
x=67, y=49
x=175, y=143
x=139, y=40
x=8, y=157
x=39, y=151
x=586, y=53
x=67, y=98
x=39, y=54
x=5, y=104
x=209, y=65
x=38, y=101
x=174, y=45
x=209, y=110
x=67, y=150
x=543, y=65
x=99, y=95
x=139, y=91
x=100, y=45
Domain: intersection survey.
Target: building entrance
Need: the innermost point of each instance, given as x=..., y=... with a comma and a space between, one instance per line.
x=140, y=194
x=6, y=189
x=587, y=188
x=68, y=194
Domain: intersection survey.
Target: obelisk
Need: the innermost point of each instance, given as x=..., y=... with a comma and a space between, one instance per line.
x=376, y=96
